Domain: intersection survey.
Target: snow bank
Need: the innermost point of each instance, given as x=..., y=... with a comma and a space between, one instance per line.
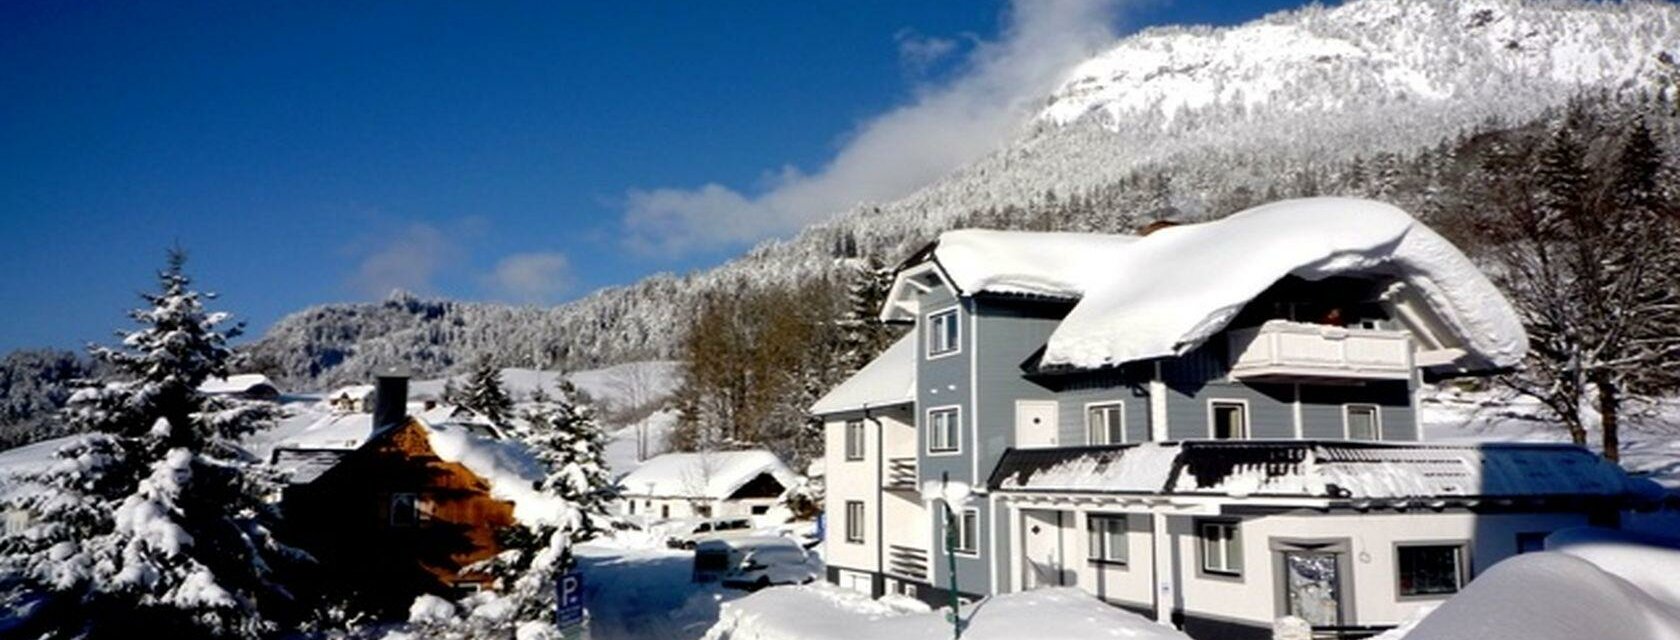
x=824, y=612
x=1165, y=294
x=512, y=472
x=1649, y=562
x=1546, y=596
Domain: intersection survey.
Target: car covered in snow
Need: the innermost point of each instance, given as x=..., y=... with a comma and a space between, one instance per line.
x=755, y=562
x=689, y=535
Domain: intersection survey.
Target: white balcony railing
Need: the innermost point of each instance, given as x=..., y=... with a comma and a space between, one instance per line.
x=1284, y=350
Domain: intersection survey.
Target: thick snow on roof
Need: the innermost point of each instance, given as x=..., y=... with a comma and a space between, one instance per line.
x=1175, y=288
x=1166, y=293
x=889, y=379
x=1057, y=264
x=332, y=431
x=715, y=474
x=511, y=470
x=828, y=612
x=237, y=383
x=1358, y=471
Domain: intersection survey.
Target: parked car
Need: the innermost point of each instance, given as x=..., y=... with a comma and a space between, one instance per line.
x=754, y=562
x=713, y=529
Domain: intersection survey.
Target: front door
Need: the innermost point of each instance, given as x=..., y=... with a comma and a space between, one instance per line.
x=1312, y=587
x=1035, y=423
x=1041, y=549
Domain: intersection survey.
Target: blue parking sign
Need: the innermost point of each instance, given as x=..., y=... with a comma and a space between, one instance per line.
x=569, y=599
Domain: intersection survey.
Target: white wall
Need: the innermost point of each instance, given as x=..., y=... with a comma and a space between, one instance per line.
x=1372, y=539
x=846, y=481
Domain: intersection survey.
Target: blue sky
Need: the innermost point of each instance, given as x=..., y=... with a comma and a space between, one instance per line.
x=306, y=152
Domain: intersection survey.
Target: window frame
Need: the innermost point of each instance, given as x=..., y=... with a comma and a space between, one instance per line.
x=956, y=443
x=1119, y=407
x=1461, y=569
x=1098, y=550
x=1376, y=421
x=1247, y=417
x=934, y=337
x=861, y=441
x=970, y=547
x=413, y=510
x=856, y=522
x=1225, y=570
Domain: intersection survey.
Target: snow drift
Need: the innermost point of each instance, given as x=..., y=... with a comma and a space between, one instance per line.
x=825, y=611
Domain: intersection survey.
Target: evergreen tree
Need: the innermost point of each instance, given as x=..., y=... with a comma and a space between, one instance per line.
x=562, y=432
x=484, y=393
x=154, y=520
x=862, y=335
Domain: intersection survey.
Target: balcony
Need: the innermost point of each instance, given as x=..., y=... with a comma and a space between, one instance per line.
x=907, y=562
x=901, y=474
x=1284, y=351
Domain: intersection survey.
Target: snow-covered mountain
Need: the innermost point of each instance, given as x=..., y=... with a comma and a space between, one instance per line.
x=1191, y=120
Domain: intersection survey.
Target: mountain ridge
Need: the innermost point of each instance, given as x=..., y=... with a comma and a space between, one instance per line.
x=1379, y=78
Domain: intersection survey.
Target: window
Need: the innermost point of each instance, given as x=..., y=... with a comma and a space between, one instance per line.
x=854, y=521
x=665, y=511
x=1108, y=539
x=944, y=431
x=943, y=335
x=703, y=510
x=1105, y=423
x=632, y=505
x=1221, y=545
x=760, y=509
x=1531, y=542
x=1362, y=422
x=1430, y=570
x=854, y=439
x=1230, y=419
x=405, y=509
x=967, y=530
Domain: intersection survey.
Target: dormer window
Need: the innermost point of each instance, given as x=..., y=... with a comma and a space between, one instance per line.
x=944, y=335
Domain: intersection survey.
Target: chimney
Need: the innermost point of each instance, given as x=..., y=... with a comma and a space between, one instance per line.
x=390, y=397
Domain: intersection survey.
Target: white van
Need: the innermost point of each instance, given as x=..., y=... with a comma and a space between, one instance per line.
x=755, y=562
x=713, y=529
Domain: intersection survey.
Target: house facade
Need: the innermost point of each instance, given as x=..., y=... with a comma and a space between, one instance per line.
x=1214, y=425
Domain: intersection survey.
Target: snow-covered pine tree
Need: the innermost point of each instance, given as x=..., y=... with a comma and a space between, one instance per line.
x=484, y=393
x=561, y=431
x=155, y=520
x=862, y=335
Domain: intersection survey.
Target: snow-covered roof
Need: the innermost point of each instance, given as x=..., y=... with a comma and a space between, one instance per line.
x=1166, y=293
x=353, y=392
x=332, y=431
x=237, y=383
x=1354, y=471
x=887, y=380
x=512, y=471
x=714, y=474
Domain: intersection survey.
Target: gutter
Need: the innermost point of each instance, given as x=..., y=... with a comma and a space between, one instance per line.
x=880, y=497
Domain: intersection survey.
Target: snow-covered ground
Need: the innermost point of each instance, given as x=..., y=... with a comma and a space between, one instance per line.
x=827, y=612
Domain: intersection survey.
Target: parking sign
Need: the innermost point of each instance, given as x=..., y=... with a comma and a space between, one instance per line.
x=569, y=599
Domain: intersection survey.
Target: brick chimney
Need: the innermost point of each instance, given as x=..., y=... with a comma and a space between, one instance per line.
x=390, y=397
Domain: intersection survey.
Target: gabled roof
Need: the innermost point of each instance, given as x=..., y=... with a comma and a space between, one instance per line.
x=889, y=379
x=1164, y=294
x=1352, y=471
x=714, y=475
x=237, y=383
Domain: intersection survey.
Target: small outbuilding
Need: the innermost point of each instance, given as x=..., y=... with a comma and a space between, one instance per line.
x=705, y=484
x=250, y=386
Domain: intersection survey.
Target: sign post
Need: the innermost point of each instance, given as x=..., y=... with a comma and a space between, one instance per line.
x=568, y=603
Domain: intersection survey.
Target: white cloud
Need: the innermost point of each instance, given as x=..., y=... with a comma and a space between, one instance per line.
x=532, y=277
x=918, y=52
x=409, y=258
x=995, y=89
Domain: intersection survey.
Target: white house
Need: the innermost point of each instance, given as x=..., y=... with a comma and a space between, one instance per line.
x=254, y=386
x=356, y=398
x=706, y=484
x=1213, y=424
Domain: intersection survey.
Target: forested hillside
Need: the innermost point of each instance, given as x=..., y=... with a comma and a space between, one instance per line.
x=1185, y=121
